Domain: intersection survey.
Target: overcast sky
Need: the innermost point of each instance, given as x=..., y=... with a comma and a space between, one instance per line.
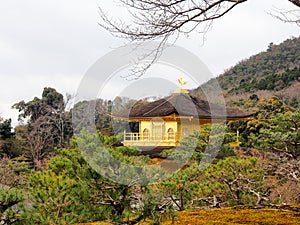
x=54, y=42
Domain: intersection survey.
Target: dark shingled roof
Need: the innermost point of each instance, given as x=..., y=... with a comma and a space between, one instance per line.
x=183, y=105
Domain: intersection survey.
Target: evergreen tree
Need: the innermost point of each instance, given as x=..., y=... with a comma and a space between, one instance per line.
x=281, y=135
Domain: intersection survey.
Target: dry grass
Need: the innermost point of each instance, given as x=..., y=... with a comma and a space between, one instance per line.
x=231, y=216
x=96, y=223
x=237, y=216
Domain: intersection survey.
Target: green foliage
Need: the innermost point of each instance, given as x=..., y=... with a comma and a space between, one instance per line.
x=270, y=71
x=156, y=205
x=11, y=148
x=128, y=151
x=14, y=172
x=10, y=205
x=212, y=140
x=64, y=194
x=13, y=176
x=268, y=108
x=231, y=181
x=181, y=187
x=8, y=144
x=271, y=106
x=48, y=126
x=70, y=190
x=111, y=163
x=240, y=126
x=263, y=71
x=6, y=129
x=50, y=102
x=236, y=181
x=269, y=127
x=275, y=81
x=281, y=135
x=52, y=98
x=54, y=198
x=108, y=141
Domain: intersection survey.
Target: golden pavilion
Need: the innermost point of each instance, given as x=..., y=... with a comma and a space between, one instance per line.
x=164, y=122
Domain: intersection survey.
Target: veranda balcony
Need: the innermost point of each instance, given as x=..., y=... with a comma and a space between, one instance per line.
x=164, y=140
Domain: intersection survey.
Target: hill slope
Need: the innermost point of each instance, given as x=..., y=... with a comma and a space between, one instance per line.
x=275, y=71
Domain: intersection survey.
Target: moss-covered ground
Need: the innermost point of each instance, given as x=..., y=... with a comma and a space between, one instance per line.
x=262, y=216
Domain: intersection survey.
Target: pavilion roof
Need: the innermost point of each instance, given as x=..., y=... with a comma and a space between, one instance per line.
x=184, y=105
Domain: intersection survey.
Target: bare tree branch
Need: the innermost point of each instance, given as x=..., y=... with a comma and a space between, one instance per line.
x=295, y=2
x=287, y=16
x=163, y=20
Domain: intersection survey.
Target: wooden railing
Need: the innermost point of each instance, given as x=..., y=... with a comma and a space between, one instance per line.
x=137, y=139
x=166, y=139
x=140, y=137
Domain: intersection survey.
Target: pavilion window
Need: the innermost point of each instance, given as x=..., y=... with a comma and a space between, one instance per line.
x=158, y=129
x=146, y=134
x=171, y=134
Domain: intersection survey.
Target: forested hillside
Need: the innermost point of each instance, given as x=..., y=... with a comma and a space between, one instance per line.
x=275, y=71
